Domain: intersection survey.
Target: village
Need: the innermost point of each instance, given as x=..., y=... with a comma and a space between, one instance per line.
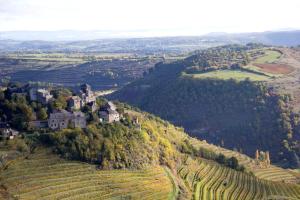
x=58, y=119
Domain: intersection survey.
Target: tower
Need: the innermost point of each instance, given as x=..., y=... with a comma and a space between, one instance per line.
x=268, y=161
x=257, y=157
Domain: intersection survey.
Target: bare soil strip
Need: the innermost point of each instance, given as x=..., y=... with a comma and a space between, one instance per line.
x=275, y=68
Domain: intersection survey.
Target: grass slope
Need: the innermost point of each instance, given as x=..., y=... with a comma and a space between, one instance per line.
x=230, y=74
x=46, y=176
x=269, y=57
x=273, y=173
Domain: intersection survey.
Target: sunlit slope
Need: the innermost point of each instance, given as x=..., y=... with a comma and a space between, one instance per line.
x=46, y=176
x=209, y=180
x=271, y=173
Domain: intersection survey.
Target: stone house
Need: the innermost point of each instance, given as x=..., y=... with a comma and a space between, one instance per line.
x=78, y=120
x=86, y=94
x=43, y=96
x=63, y=119
x=108, y=113
x=74, y=103
x=85, y=97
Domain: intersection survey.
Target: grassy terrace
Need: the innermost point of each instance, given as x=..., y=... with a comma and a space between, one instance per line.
x=229, y=74
x=46, y=176
x=269, y=57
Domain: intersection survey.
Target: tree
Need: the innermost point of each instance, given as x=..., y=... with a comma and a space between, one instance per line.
x=233, y=163
x=2, y=96
x=59, y=103
x=42, y=114
x=221, y=159
x=26, y=112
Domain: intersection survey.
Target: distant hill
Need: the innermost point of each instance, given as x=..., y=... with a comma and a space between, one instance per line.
x=102, y=41
x=217, y=95
x=275, y=38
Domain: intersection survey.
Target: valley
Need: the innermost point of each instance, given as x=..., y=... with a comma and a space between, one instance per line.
x=102, y=71
x=228, y=92
x=149, y=100
x=235, y=134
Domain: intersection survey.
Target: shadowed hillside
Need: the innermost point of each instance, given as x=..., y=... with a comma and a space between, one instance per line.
x=230, y=109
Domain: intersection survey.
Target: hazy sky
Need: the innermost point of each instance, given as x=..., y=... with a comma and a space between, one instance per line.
x=165, y=17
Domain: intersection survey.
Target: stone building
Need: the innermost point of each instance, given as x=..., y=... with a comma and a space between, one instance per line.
x=84, y=97
x=108, y=113
x=63, y=119
x=74, y=103
x=86, y=94
x=78, y=120
x=43, y=96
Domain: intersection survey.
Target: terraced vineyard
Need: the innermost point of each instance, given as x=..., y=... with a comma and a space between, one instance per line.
x=271, y=173
x=46, y=176
x=209, y=180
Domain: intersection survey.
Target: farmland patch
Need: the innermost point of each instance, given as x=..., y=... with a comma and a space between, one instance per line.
x=275, y=68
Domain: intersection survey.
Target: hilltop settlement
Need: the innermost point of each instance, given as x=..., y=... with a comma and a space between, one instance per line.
x=40, y=108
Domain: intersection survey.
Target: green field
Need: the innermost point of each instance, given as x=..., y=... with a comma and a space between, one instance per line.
x=269, y=57
x=46, y=176
x=230, y=74
x=51, y=57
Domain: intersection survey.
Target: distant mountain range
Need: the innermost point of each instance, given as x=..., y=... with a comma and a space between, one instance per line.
x=108, y=41
x=284, y=38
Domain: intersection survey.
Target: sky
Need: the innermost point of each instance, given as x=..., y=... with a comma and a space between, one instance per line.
x=152, y=17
